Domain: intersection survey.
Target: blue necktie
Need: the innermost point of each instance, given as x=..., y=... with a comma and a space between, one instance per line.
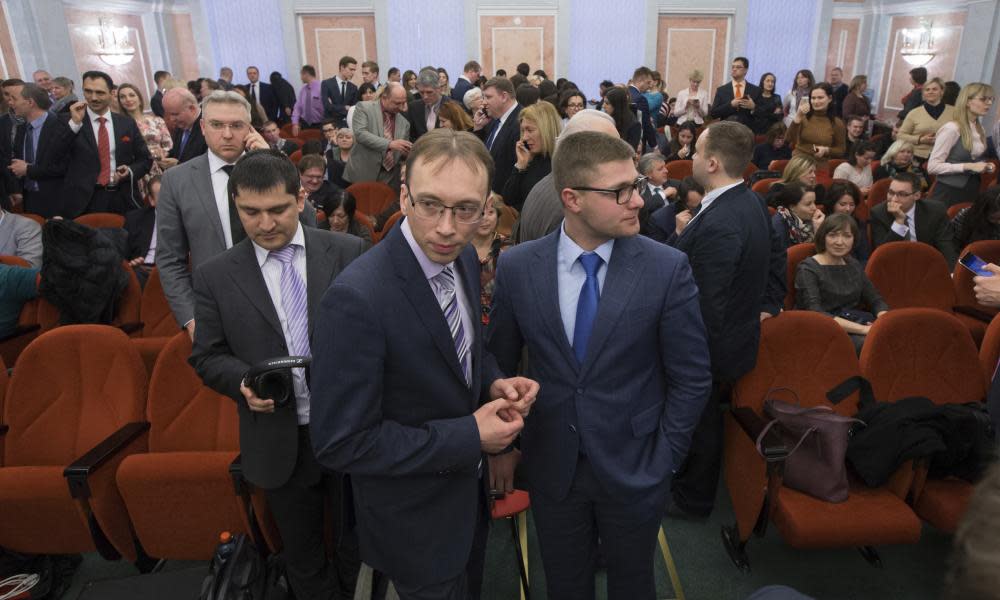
x=493, y=134
x=184, y=141
x=586, y=308
x=29, y=153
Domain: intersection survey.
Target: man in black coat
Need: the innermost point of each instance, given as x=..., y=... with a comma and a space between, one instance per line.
x=735, y=101
x=497, y=125
x=905, y=217
x=423, y=112
x=41, y=149
x=339, y=93
x=108, y=155
x=261, y=93
x=183, y=117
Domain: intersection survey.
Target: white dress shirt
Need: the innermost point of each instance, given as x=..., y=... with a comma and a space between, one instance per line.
x=109, y=124
x=151, y=255
x=571, y=276
x=900, y=229
x=270, y=268
x=220, y=186
x=685, y=113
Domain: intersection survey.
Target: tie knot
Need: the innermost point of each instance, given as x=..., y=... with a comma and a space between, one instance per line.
x=228, y=169
x=446, y=278
x=101, y=120
x=285, y=255
x=591, y=262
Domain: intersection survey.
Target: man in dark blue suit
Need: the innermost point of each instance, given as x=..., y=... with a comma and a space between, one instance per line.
x=466, y=81
x=498, y=125
x=729, y=246
x=339, y=93
x=261, y=93
x=401, y=381
x=611, y=323
x=642, y=81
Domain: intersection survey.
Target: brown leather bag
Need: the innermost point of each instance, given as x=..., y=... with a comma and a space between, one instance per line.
x=816, y=439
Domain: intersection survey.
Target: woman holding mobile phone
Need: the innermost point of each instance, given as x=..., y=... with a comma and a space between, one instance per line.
x=958, y=158
x=540, y=126
x=815, y=131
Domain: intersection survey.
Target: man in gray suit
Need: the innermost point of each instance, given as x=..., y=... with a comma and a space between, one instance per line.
x=382, y=138
x=20, y=237
x=194, y=214
x=255, y=302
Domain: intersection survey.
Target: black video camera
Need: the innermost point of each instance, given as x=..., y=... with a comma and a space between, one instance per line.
x=272, y=379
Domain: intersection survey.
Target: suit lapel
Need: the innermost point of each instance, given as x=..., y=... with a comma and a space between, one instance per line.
x=420, y=295
x=202, y=181
x=319, y=272
x=545, y=281
x=618, y=286
x=247, y=276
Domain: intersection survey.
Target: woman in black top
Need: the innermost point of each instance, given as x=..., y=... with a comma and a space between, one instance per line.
x=772, y=148
x=981, y=221
x=844, y=197
x=618, y=105
x=767, y=108
x=540, y=126
x=682, y=148
x=340, y=210
x=832, y=282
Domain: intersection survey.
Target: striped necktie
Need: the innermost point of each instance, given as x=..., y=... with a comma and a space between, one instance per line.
x=294, y=301
x=444, y=289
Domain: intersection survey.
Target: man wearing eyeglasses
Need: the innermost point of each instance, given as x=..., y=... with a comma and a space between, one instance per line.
x=902, y=218
x=612, y=326
x=404, y=397
x=194, y=214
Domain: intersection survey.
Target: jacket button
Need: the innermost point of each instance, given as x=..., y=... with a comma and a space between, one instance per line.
x=579, y=391
x=572, y=428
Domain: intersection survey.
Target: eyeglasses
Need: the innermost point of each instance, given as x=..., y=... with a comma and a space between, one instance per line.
x=328, y=130
x=235, y=126
x=895, y=194
x=622, y=194
x=466, y=213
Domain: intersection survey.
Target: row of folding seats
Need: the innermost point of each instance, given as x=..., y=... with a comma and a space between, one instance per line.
x=909, y=352
x=89, y=464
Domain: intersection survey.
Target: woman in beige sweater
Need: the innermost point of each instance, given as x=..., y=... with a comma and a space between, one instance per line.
x=921, y=124
x=815, y=132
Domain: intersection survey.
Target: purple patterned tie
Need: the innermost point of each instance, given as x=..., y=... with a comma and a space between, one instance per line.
x=444, y=289
x=293, y=301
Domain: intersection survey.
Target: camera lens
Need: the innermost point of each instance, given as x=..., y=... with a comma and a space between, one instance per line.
x=275, y=385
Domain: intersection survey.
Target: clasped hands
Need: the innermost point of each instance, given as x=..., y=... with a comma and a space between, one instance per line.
x=500, y=420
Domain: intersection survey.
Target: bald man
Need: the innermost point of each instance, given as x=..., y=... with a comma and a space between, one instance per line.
x=543, y=209
x=376, y=156
x=183, y=117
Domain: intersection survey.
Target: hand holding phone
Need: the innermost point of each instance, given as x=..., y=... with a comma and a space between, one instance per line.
x=975, y=264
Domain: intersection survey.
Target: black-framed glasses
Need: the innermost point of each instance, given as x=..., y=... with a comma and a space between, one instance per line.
x=466, y=213
x=622, y=194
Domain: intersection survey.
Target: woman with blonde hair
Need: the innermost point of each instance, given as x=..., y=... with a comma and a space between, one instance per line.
x=489, y=243
x=800, y=169
x=899, y=159
x=692, y=103
x=540, y=126
x=958, y=156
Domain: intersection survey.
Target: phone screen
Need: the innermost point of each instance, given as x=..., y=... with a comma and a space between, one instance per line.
x=975, y=264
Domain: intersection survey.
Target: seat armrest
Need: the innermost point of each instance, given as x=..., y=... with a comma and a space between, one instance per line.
x=974, y=312
x=130, y=328
x=77, y=473
x=236, y=473
x=753, y=424
x=19, y=331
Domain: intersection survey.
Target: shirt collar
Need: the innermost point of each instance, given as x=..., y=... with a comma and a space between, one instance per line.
x=569, y=251
x=654, y=188
x=503, y=117
x=911, y=214
x=215, y=163
x=430, y=268
x=37, y=123
x=299, y=239
x=94, y=116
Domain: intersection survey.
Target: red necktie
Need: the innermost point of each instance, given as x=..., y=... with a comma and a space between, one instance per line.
x=104, y=153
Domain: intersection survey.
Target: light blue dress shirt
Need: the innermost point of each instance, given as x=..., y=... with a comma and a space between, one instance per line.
x=571, y=276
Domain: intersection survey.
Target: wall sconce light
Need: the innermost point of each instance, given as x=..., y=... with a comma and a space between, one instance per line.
x=918, y=44
x=113, y=45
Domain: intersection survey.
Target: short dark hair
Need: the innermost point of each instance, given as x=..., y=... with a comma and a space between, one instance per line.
x=688, y=185
x=732, y=144
x=911, y=178
x=835, y=222
x=919, y=75
x=524, y=69
x=98, y=75
x=310, y=147
x=775, y=131
x=838, y=189
x=578, y=156
x=742, y=59
x=12, y=82
x=266, y=123
x=451, y=146
x=854, y=118
x=472, y=66
x=35, y=93
x=790, y=194
x=501, y=84
x=262, y=171
x=527, y=94
x=642, y=73
x=541, y=74
x=311, y=161
x=859, y=149
x=341, y=198
x=347, y=60
x=311, y=70
x=371, y=64
x=392, y=71
x=364, y=88
x=160, y=76
x=501, y=73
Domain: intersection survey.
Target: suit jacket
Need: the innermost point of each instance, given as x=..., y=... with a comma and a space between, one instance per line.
x=650, y=205
x=196, y=145
x=335, y=104
x=370, y=143
x=139, y=224
x=49, y=168
x=645, y=117
x=724, y=94
x=85, y=164
x=188, y=223
x=933, y=227
x=238, y=327
x=633, y=404
x=268, y=99
x=503, y=153
x=156, y=104
x=9, y=184
x=287, y=146
x=729, y=247
x=458, y=92
x=403, y=429
x=417, y=115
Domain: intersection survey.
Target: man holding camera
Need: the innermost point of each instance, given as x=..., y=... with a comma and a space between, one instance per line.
x=256, y=302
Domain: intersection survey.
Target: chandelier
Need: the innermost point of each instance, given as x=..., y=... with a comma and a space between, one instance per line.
x=113, y=45
x=918, y=44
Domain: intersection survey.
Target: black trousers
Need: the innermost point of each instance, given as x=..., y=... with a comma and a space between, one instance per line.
x=467, y=585
x=34, y=203
x=107, y=200
x=568, y=530
x=697, y=481
x=299, y=508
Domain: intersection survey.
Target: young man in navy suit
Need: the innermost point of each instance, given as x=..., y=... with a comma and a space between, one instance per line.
x=611, y=323
x=405, y=398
